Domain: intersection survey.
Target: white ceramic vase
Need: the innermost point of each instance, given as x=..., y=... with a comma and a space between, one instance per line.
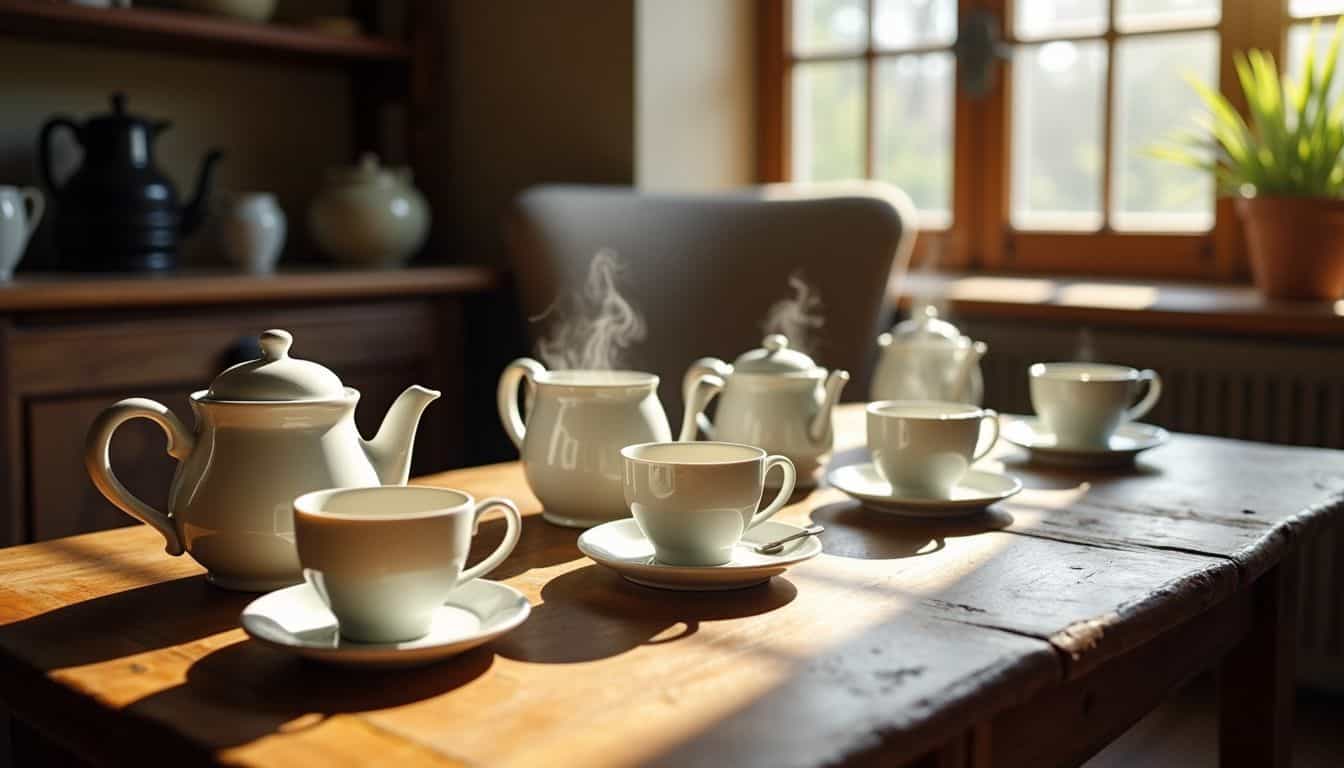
x=20, y=212
x=252, y=232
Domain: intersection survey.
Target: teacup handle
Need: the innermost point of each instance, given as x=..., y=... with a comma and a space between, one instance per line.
x=785, y=489
x=512, y=519
x=1149, y=400
x=98, y=461
x=992, y=417
x=506, y=396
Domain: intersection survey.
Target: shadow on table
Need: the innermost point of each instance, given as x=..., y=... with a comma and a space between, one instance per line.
x=1037, y=475
x=246, y=691
x=127, y=623
x=853, y=530
x=591, y=613
x=541, y=545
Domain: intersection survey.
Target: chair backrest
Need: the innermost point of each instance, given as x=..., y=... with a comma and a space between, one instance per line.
x=705, y=271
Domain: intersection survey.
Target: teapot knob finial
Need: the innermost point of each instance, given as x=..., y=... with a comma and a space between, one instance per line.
x=275, y=344
x=775, y=342
x=119, y=103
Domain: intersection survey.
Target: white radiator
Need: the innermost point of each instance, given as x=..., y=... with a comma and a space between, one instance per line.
x=1272, y=391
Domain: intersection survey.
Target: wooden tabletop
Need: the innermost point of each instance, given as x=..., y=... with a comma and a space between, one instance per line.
x=895, y=638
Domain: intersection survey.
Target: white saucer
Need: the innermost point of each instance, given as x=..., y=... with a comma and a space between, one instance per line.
x=976, y=491
x=1127, y=442
x=621, y=546
x=295, y=619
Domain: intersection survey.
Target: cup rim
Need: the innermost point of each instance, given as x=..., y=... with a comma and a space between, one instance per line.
x=306, y=505
x=963, y=411
x=592, y=378
x=628, y=452
x=1079, y=371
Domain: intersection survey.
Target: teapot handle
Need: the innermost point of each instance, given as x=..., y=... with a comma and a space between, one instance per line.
x=506, y=396
x=695, y=399
x=98, y=461
x=44, y=148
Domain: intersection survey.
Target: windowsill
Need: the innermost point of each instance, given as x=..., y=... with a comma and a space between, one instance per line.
x=1225, y=308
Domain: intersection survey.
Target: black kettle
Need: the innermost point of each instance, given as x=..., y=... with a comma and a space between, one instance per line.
x=117, y=212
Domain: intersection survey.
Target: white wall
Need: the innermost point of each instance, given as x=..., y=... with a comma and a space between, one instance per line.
x=695, y=93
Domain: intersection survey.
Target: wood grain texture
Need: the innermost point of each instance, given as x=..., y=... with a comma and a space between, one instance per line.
x=65, y=293
x=885, y=649
x=192, y=33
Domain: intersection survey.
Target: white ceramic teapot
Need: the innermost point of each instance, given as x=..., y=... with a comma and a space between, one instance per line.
x=927, y=358
x=267, y=431
x=777, y=399
x=577, y=422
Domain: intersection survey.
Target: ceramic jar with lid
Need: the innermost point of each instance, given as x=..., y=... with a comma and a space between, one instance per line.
x=369, y=215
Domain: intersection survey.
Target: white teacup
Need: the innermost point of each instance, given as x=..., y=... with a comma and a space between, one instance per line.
x=923, y=448
x=1084, y=403
x=384, y=558
x=694, y=501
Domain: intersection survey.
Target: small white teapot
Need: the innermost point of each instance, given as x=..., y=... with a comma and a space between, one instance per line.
x=267, y=431
x=777, y=399
x=927, y=358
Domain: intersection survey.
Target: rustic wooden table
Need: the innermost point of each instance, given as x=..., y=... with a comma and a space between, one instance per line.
x=1029, y=637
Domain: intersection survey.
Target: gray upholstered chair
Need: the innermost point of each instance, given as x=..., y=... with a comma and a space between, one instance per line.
x=705, y=271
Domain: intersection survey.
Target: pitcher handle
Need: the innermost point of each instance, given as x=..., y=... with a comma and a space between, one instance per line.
x=1149, y=400
x=699, y=391
x=704, y=366
x=44, y=147
x=506, y=396
x=97, y=460
x=513, y=519
x=992, y=417
x=37, y=205
x=785, y=488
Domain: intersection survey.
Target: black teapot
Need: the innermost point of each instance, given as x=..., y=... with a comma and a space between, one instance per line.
x=117, y=211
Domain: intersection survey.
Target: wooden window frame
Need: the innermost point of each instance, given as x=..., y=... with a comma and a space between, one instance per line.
x=980, y=236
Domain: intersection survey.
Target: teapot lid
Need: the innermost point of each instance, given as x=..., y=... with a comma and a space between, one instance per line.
x=925, y=325
x=276, y=376
x=774, y=356
x=367, y=170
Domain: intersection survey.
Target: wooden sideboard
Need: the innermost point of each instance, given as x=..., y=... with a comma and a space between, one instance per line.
x=70, y=346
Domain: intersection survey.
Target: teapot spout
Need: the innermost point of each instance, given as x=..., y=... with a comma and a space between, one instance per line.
x=390, y=450
x=194, y=212
x=820, y=428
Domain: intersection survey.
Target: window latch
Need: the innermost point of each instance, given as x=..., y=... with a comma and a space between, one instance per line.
x=979, y=49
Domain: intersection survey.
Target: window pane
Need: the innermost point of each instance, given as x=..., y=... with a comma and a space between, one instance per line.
x=828, y=120
x=1307, y=8
x=1058, y=102
x=829, y=26
x=904, y=23
x=1131, y=15
x=1034, y=19
x=1299, y=37
x=914, y=131
x=1152, y=99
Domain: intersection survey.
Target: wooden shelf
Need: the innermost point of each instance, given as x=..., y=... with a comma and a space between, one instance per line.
x=32, y=293
x=193, y=33
x=1156, y=305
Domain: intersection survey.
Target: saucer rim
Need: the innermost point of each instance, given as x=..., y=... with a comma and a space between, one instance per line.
x=808, y=549
x=897, y=502
x=388, y=654
x=1158, y=436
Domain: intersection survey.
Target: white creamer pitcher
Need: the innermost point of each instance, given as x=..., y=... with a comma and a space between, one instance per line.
x=577, y=423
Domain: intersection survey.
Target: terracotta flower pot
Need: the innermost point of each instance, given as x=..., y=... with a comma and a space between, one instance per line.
x=1296, y=246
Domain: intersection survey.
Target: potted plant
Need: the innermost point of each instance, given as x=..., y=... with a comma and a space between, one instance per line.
x=1284, y=167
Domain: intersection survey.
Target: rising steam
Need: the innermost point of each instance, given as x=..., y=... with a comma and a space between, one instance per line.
x=595, y=325
x=798, y=317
